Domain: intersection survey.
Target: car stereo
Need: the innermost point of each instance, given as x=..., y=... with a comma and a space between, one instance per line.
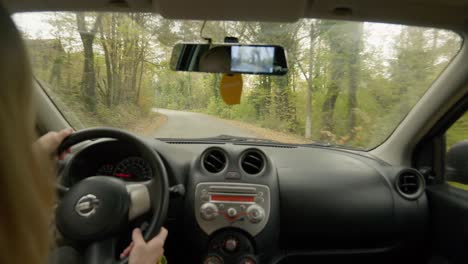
x=219, y=205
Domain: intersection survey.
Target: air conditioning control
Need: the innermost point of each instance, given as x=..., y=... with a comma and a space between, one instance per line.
x=255, y=213
x=208, y=211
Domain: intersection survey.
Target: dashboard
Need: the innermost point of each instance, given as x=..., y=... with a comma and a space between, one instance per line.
x=112, y=159
x=249, y=204
x=128, y=169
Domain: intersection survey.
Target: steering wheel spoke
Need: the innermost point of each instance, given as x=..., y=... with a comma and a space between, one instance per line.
x=102, y=252
x=140, y=199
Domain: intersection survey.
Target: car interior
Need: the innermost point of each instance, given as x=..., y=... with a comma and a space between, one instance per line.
x=240, y=201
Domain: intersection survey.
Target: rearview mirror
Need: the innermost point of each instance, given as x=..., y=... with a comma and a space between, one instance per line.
x=229, y=58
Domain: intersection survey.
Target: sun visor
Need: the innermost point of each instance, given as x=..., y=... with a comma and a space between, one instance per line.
x=260, y=10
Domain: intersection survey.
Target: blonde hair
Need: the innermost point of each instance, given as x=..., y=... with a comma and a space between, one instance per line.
x=26, y=194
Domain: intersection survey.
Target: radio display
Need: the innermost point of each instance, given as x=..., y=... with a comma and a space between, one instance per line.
x=232, y=198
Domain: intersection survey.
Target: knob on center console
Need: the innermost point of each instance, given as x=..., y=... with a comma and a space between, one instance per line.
x=248, y=260
x=213, y=259
x=208, y=211
x=255, y=213
x=231, y=244
x=232, y=212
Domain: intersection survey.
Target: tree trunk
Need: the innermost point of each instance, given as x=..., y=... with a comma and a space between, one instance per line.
x=216, y=82
x=337, y=41
x=310, y=86
x=266, y=100
x=328, y=107
x=69, y=71
x=110, y=86
x=354, y=69
x=139, y=82
x=55, y=78
x=89, y=77
x=308, y=122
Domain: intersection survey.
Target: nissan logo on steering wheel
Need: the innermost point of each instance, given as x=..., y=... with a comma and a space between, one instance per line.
x=87, y=205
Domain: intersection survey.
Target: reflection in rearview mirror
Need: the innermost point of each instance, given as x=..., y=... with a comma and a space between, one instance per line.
x=229, y=58
x=252, y=59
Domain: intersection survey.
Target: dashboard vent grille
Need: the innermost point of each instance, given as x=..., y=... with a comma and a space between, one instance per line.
x=252, y=162
x=410, y=184
x=214, y=160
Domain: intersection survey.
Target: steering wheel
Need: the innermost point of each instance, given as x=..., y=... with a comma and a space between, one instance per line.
x=95, y=210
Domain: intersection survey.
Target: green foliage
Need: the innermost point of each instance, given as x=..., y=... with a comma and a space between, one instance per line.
x=457, y=132
x=354, y=84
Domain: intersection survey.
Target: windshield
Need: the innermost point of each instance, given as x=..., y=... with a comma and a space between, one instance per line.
x=348, y=83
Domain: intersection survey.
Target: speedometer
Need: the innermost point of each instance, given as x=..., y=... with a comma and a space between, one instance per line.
x=133, y=169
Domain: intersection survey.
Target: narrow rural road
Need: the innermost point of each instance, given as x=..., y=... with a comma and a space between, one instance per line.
x=182, y=124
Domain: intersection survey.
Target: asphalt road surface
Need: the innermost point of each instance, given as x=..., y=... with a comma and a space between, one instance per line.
x=182, y=124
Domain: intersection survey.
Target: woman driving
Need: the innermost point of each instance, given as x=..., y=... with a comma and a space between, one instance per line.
x=27, y=194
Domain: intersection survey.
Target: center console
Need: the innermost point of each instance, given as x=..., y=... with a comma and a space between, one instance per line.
x=240, y=210
x=232, y=214
x=221, y=205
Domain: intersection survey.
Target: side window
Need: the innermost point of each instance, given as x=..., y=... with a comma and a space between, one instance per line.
x=456, y=160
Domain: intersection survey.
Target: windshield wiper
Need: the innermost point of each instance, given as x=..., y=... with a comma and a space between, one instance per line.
x=224, y=138
x=329, y=145
x=319, y=144
x=254, y=141
x=229, y=138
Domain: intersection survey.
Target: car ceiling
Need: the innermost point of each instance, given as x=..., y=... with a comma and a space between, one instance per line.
x=451, y=14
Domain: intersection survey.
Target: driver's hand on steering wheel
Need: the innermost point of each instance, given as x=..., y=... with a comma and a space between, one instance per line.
x=142, y=252
x=49, y=143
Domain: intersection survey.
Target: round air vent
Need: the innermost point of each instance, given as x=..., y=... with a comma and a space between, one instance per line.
x=410, y=183
x=252, y=162
x=214, y=160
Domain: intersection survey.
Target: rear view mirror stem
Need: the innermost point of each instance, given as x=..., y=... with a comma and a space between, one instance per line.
x=201, y=33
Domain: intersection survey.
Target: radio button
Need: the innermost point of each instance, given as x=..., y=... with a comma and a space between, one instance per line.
x=208, y=211
x=231, y=212
x=259, y=199
x=255, y=213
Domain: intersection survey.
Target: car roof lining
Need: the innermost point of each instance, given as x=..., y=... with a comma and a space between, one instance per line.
x=434, y=13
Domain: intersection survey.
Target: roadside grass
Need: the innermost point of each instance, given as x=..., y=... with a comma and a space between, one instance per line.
x=125, y=116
